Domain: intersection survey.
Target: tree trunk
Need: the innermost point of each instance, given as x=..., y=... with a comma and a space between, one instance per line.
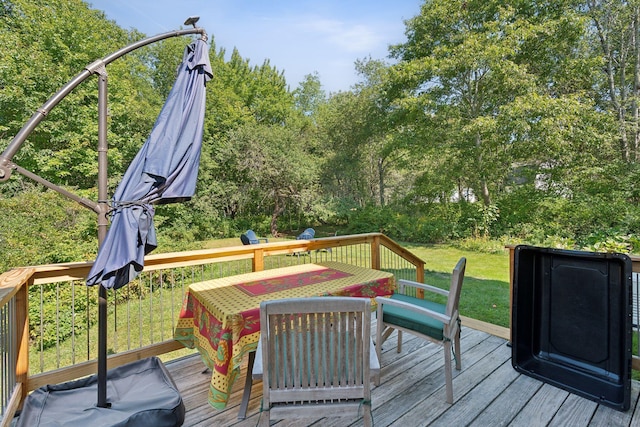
x=617, y=100
x=484, y=188
x=278, y=208
x=381, y=180
x=486, y=198
x=622, y=113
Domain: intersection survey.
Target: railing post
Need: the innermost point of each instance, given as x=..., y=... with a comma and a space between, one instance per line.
x=420, y=273
x=375, y=253
x=22, y=336
x=258, y=260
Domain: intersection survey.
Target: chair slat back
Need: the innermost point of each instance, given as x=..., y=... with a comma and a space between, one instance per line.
x=316, y=348
x=457, y=278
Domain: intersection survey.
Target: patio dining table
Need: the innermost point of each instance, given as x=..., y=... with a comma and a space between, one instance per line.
x=221, y=317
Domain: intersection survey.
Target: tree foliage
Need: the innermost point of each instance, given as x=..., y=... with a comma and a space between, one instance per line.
x=44, y=45
x=492, y=119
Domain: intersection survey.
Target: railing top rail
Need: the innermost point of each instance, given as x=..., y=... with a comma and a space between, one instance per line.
x=78, y=270
x=11, y=282
x=392, y=245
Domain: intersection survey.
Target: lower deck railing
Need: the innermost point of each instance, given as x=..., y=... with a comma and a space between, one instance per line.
x=48, y=317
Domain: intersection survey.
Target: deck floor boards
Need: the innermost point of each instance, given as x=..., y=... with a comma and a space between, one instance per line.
x=487, y=392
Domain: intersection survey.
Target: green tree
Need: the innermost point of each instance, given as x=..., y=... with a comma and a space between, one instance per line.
x=275, y=171
x=45, y=228
x=342, y=129
x=463, y=65
x=241, y=97
x=363, y=145
x=309, y=95
x=44, y=45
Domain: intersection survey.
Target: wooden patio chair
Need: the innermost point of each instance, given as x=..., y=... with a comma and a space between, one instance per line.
x=316, y=358
x=406, y=311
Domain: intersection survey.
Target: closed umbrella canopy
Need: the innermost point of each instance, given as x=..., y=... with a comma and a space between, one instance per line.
x=165, y=170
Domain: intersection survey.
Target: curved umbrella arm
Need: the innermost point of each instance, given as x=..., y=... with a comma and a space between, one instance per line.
x=96, y=67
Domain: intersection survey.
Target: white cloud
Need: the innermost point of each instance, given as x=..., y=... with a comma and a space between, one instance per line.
x=298, y=36
x=352, y=38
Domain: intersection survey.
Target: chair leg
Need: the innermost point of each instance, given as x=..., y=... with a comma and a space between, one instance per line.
x=457, y=351
x=367, y=417
x=448, y=375
x=242, y=413
x=379, y=340
x=265, y=419
x=399, y=341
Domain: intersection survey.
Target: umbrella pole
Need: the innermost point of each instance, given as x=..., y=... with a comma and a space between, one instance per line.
x=102, y=348
x=102, y=232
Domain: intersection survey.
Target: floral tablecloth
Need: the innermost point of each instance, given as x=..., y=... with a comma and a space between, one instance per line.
x=221, y=317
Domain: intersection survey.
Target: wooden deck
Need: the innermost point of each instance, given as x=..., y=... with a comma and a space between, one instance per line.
x=487, y=392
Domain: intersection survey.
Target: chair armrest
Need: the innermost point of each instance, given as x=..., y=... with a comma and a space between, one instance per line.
x=404, y=305
x=423, y=286
x=256, y=374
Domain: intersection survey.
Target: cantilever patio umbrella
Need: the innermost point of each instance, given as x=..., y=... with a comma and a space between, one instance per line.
x=164, y=171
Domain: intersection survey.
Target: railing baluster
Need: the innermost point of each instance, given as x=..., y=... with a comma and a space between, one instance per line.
x=6, y=353
x=636, y=301
x=57, y=331
x=41, y=330
x=129, y=291
x=73, y=324
x=112, y=300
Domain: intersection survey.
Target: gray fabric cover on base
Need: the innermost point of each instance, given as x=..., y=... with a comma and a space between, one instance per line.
x=141, y=393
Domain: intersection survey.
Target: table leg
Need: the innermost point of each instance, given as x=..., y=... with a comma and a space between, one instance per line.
x=242, y=413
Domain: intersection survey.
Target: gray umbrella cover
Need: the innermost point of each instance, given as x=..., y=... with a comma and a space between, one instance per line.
x=165, y=170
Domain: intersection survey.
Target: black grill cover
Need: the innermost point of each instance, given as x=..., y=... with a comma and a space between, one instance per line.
x=571, y=321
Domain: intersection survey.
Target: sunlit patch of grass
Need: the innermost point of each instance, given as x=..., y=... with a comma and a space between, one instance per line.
x=485, y=290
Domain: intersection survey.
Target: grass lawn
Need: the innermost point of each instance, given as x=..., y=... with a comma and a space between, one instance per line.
x=485, y=290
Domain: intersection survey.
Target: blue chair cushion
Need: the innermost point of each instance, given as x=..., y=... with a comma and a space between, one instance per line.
x=412, y=320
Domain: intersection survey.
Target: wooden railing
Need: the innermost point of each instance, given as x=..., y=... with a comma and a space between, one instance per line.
x=372, y=250
x=635, y=360
x=13, y=302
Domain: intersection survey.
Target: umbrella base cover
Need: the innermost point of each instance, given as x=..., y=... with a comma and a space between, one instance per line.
x=141, y=393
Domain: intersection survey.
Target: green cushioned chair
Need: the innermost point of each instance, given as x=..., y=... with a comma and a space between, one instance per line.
x=316, y=358
x=407, y=311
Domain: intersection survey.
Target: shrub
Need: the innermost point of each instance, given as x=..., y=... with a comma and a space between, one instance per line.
x=42, y=227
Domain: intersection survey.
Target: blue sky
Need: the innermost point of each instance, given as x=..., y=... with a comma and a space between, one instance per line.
x=299, y=37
